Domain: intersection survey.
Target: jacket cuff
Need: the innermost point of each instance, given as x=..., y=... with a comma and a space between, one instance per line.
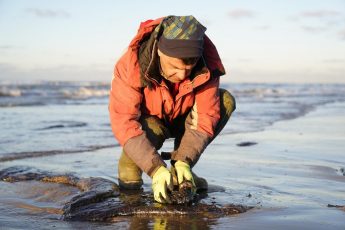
x=143, y=154
x=192, y=145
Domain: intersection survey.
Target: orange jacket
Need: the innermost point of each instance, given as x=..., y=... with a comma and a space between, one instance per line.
x=129, y=97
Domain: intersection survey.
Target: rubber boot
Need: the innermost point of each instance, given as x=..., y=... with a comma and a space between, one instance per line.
x=200, y=183
x=129, y=173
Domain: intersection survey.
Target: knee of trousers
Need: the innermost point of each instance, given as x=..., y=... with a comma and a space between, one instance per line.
x=155, y=130
x=227, y=102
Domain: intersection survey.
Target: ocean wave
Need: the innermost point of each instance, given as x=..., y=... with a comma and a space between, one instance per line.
x=262, y=92
x=83, y=92
x=9, y=105
x=64, y=124
x=284, y=90
x=48, y=93
x=8, y=92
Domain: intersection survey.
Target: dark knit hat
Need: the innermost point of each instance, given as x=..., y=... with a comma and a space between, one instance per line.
x=182, y=37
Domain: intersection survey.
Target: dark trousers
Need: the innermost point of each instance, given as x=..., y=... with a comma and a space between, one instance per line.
x=157, y=131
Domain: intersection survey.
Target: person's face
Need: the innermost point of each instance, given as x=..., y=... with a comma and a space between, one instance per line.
x=173, y=69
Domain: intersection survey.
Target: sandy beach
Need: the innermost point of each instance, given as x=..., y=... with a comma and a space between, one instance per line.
x=290, y=176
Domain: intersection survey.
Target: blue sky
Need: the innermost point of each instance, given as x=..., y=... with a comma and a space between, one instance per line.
x=259, y=41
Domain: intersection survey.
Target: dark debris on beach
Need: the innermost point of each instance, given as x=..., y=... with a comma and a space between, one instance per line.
x=102, y=200
x=246, y=143
x=341, y=207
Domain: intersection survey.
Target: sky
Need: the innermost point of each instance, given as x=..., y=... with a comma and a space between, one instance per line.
x=280, y=41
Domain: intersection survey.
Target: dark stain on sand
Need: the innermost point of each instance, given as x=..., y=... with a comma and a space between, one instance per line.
x=246, y=143
x=101, y=199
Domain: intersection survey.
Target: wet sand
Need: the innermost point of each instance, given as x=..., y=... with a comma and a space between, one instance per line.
x=290, y=176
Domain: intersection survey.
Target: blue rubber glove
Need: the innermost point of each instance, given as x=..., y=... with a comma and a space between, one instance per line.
x=183, y=172
x=162, y=181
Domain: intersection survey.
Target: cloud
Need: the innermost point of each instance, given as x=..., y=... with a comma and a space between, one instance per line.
x=329, y=17
x=319, y=21
x=320, y=14
x=46, y=13
x=240, y=13
x=314, y=29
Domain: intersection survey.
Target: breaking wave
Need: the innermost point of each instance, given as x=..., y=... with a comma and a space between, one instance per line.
x=47, y=93
x=8, y=92
x=84, y=92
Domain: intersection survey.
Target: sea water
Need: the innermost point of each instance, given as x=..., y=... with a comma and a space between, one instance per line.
x=44, y=118
x=289, y=177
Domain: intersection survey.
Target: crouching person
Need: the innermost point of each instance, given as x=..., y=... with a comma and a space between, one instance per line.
x=166, y=85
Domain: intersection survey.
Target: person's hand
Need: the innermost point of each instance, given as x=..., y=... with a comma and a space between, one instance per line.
x=161, y=182
x=183, y=172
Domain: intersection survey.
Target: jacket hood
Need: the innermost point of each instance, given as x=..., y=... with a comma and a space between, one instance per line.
x=145, y=44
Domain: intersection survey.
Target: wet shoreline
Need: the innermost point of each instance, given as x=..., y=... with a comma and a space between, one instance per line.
x=283, y=177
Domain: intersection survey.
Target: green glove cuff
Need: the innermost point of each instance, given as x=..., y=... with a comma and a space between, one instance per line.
x=182, y=164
